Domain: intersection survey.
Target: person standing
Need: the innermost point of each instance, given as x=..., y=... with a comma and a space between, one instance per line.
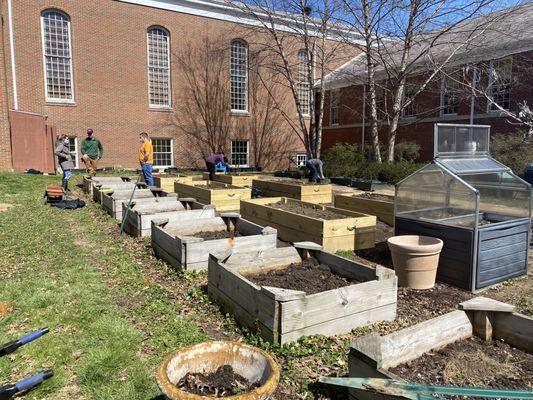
x=210, y=162
x=315, y=169
x=64, y=158
x=92, y=151
x=146, y=158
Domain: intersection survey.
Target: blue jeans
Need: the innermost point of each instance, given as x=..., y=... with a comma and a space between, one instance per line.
x=313, y=173
x=67, y=174
x=147, y=173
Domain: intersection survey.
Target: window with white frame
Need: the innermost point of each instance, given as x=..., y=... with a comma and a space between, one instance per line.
x=302, y=82
x=451, y=94
x=301, y=159
x=57, y=51
x=159, y=92
x=409, y=110
x=73, y=148
x=500, y=84
x=239, y=153
x=162, y=152
x=334, y=106
x=239, y=75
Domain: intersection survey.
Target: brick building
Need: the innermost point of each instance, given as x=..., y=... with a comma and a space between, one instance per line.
x=67, y=65
x=504, y=51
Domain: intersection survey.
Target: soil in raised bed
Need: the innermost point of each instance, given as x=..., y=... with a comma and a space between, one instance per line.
x=375, y=196
x=224, y=382
x=301, y=209
x=472, y=362
x=214, y=235
x=308, y=276
x=380, y=253
x=216, y=187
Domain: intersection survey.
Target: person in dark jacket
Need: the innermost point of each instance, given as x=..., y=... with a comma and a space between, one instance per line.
x=92, y=151
x=210, y=162
x=315, y=169
x=64, y=158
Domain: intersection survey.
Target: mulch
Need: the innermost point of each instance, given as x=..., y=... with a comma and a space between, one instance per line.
x=214, y=235
x=375, y=196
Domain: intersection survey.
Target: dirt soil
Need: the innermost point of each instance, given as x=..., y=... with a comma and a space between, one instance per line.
x=222, y=383
x=214, y=235
x=308, y=276
x=214, y=187
x=375, y=196
x=301, y=209
x=472, y=362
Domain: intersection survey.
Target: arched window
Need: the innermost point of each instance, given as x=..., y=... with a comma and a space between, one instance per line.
x=239, y=75
x=159, y=94
x=57, y=57
x=302, y=82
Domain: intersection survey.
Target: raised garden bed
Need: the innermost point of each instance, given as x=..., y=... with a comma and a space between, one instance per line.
x=166, y=181
x=177, y=241
x=99, y=188
x=382, y=206
x=284, y=315
x=138, y=221
x=299, y=190
x=400, y=355
x=88, y=182
x=361, y=184
x=223, y=197
x=112, y=200
x=349, y=232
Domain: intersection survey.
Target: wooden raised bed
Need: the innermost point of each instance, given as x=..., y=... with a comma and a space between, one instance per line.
x=100, y=188
x=166, y=181
x=373, y=355
x=281, y=315
x=175, y=241
x=112, y=200
x=299, y=190
x=382, y=209
x=357, y=231
x=224, y=197
x=138, y=221
x=88, y=182
x=236, y=180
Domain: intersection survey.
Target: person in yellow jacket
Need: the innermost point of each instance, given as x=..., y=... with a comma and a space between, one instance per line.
x=146, y=158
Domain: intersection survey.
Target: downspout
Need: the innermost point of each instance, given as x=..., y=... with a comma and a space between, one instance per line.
x=473, y=99
x=12, y=50
x=364, y=122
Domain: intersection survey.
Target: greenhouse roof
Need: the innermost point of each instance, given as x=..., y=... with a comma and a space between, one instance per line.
x=478, y=165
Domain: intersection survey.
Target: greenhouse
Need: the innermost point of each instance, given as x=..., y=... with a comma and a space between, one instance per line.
x=476, y=205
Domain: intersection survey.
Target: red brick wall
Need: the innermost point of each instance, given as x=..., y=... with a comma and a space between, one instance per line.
x=5, y=142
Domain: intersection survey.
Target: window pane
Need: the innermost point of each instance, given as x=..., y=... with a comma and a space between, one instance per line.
x=334, y=106
x=500, y=87
x=301, y=159
x=162, y=152
x=239, y=75
x=57, y=57
x=158, y=68
x=72, y=141
x=302, y=83
x=239, y=153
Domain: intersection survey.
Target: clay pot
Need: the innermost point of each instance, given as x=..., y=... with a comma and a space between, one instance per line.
x=247, y=361
x=415, y=259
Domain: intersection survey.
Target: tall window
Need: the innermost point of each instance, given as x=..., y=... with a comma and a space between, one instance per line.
x=239, y=75
x=334, y=106
x=57, y=57
x=162, y=152
x=500, y=83
x=451, y=93
x=302, y=82
x=409, y=92
x=73, y=148
x=159, y=68
x=239, y=153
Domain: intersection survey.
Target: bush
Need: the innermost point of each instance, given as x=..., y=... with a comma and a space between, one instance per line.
x=345, y=160
x=513, y=149
x=406, y=151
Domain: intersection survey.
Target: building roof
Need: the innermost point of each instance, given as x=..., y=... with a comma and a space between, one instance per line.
x=485, y=38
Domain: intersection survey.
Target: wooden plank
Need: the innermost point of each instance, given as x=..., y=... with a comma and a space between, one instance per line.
x=312, y=193
x=515, y=329
x=333, y=304
x=263, y=261
x=383, y=210
x=485, y=304
x=347, y=268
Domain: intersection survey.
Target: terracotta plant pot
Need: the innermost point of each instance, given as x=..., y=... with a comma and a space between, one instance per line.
x=415, y=259
x=247, y=361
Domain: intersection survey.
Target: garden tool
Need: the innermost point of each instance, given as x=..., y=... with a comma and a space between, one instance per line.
x=129, y=204
x=15, y=344
x=7, y=392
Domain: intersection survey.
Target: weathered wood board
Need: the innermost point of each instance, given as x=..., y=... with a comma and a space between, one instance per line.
x=112, y=200
x=299, y=190
x=138, y=220
x=242, y=180
x=176, y=243
x=372, y=356
x=224, y=197
x=99, y=188
x=357, y=231
x=281, y=315
x=383, y=210
x=88, y=181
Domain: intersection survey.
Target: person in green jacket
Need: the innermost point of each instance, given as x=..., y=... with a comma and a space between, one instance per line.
x=92, y=151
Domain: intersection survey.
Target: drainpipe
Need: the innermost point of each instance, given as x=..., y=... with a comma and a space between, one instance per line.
x=364, y=122
x=12, y=50
x=473, y=99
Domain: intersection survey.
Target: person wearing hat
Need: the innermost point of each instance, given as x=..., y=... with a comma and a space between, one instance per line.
x=92, y=151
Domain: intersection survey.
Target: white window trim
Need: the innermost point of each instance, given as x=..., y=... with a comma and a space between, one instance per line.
x=307, y=112
x=489, y=89
x=247, y=153
x=43, y=43
x=158, y=167
x=247, y=78
x=298, y=155
x=331, y=107
x=77, y=164
x=442, y=95
x=158, y=106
